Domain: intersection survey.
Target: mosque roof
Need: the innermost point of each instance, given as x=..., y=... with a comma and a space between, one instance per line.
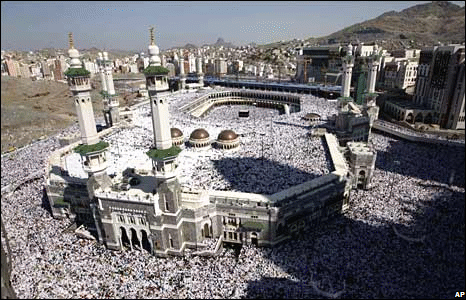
x=227, y=135
x=311, y=116
x=84, y=149
x=175, y=132
x=199, y=134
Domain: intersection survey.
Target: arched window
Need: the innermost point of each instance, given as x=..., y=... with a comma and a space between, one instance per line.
x=166, y=204
x=170, y=240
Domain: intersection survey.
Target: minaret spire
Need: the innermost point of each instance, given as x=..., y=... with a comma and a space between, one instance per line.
x=152, y=36
x=70, y=39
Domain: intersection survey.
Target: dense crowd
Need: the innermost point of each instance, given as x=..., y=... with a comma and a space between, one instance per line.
x=357, y=255
x=275, y=150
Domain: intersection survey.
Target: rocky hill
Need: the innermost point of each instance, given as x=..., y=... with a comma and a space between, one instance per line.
x=417, y=26
x=221, y=42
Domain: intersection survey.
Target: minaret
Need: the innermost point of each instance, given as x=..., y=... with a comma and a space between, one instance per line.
x=370, y=107
x=78, y=81
x=200, y=75
x=163, y=153
x=104, y=91
x=373, y=67
x=113, y=103
x=347, y=70
x=182, y=74
x=92, y=150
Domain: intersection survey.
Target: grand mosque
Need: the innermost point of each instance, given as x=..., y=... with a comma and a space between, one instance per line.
x=148, y=208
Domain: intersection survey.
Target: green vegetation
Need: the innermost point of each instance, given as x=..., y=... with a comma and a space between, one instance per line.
x=161, y=154
x=106, y=94
x=75, y=72
x=252, y=225
x=371, y=95
x=361, y=88
x=155, y=70
x=84, y=149
x=345, y=98
x=60, y=202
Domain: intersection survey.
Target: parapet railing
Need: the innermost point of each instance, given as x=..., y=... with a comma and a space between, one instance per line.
x=414, y=136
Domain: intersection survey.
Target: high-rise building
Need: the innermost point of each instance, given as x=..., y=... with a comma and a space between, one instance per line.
x=441, y=88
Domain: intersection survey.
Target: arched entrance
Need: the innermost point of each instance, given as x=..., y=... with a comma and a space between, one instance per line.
x=280, y=230
x=410, y=118
x=361, y=179
x=254, y=238
x=135, y=239
x=428, y=119
x=145, y=241
x=206, y=230
x=124, y=240
x=419, y=118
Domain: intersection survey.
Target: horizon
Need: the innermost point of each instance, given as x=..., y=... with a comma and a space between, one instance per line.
x=28, y=26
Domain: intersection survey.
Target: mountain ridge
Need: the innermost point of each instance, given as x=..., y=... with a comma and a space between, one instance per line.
x=423, y=24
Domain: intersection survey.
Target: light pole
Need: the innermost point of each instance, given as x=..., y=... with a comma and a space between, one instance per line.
x=397, y=163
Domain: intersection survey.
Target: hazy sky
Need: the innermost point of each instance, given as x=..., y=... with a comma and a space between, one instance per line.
x=124, y=25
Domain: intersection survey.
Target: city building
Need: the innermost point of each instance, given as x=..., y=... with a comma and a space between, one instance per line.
x=441, y=85
x=58, y=72
x=313, y=63
x=11, y=66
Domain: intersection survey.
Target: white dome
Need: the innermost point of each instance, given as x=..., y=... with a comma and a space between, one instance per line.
x=73, y=53
x=153, y=50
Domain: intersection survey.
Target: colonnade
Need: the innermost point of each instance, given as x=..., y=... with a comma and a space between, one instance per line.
x=135, y=239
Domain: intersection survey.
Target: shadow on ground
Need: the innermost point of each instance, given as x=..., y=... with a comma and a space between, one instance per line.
x=438, y=161
x=364, y=261
x=256, y=175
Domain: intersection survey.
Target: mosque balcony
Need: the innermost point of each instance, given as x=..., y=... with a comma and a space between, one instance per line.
x=79, y=83
x=158, y=86
x=80, y=88
x=113, y=102
x=90, y=167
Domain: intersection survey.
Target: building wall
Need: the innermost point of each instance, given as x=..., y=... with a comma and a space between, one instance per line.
x=11, y=67
x=457, y=115
x=442, y=83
